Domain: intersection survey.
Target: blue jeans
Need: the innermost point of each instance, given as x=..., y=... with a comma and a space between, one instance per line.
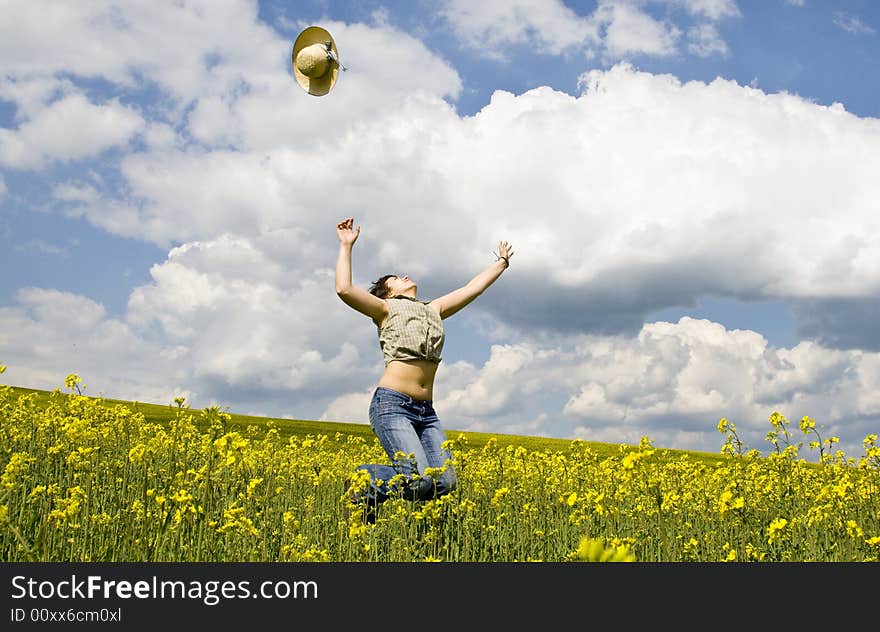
x=411, y=427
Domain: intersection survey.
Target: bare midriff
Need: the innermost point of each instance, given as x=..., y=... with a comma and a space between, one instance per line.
x=411, y=377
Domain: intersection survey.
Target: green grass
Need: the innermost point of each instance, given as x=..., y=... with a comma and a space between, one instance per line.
x=165, y=413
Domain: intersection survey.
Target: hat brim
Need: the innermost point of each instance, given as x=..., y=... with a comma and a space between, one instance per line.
x=317, y=86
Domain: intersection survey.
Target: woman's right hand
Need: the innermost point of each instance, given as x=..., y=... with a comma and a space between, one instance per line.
x=346, y=232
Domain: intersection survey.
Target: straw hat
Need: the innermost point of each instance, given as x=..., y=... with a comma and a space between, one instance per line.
x=315, y=61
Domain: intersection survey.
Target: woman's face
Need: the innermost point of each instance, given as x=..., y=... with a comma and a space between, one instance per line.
x=400, y=285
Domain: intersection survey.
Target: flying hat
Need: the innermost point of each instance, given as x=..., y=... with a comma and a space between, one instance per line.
x=315, y=61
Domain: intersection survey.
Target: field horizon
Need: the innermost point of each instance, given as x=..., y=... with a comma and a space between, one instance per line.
x=291, y=426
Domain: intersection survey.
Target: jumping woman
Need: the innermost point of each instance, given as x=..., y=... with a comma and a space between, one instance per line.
x=411, y=338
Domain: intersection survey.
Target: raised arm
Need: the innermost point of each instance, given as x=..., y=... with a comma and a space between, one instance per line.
x=353, y=296
x=450, y=303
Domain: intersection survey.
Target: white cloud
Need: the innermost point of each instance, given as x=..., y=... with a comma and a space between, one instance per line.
x=703, y=40
x=188, y=49
x=629, y=30
x=50, y=334
x=213, y=323
x=248, y=323
x=710, y=9
x=677, y=379
x=68, y=129
x=490, y=26
x=618, y=29
x=224, y=76
x=31, y=95
x=672, y=382
x=666, y=175
x=797, y=3
x=682, y=189
x=290, y=348
x=852, y=24
x=349, y=408
x=492, y=390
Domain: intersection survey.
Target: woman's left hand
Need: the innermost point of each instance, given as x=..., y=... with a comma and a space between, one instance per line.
x=505, y=251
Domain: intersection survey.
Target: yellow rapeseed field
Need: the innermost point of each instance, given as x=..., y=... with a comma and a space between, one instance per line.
x=86, y=481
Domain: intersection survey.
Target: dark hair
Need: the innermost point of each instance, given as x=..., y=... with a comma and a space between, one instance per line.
x=379, y=288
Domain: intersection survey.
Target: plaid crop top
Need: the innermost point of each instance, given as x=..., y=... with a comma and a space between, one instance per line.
x=413, y=330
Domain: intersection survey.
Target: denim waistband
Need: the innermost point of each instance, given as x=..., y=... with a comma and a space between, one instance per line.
x=402, y=397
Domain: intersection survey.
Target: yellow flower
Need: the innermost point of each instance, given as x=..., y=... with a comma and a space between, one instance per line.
x=594, y=550
x=181, y=496
x=237, y=521
x=499, y=496
x=753, y=553
x=434, y=473
x=66, y=509
x=72, y=380
x=136, y=454
x=356, y=529
x=229, y=444
x=18, y=465
x=252, y=485
x=853, y=529
x=731, y=552
x=776, y=527
x=807, y=424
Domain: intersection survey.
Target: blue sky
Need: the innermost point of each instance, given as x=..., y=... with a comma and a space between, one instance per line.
x=690, y=187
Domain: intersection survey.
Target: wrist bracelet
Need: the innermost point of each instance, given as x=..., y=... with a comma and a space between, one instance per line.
x=499, y=257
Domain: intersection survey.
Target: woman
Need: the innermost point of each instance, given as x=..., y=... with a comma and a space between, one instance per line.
x=411, y=337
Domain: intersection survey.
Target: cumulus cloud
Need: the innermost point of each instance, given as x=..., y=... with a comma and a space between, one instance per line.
x=629, y=30
x=188, y=49
x=671, y=382
x=215, y=324
x=253, y=320
x=677, y=190
x=68, y=129
x=677, y=185
x=491, y=26
x=230, y=345
x=710, y=9
x=671, y=188
x=618, y=29
x=49, y=334
x=350, y=408
x=640, y=193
